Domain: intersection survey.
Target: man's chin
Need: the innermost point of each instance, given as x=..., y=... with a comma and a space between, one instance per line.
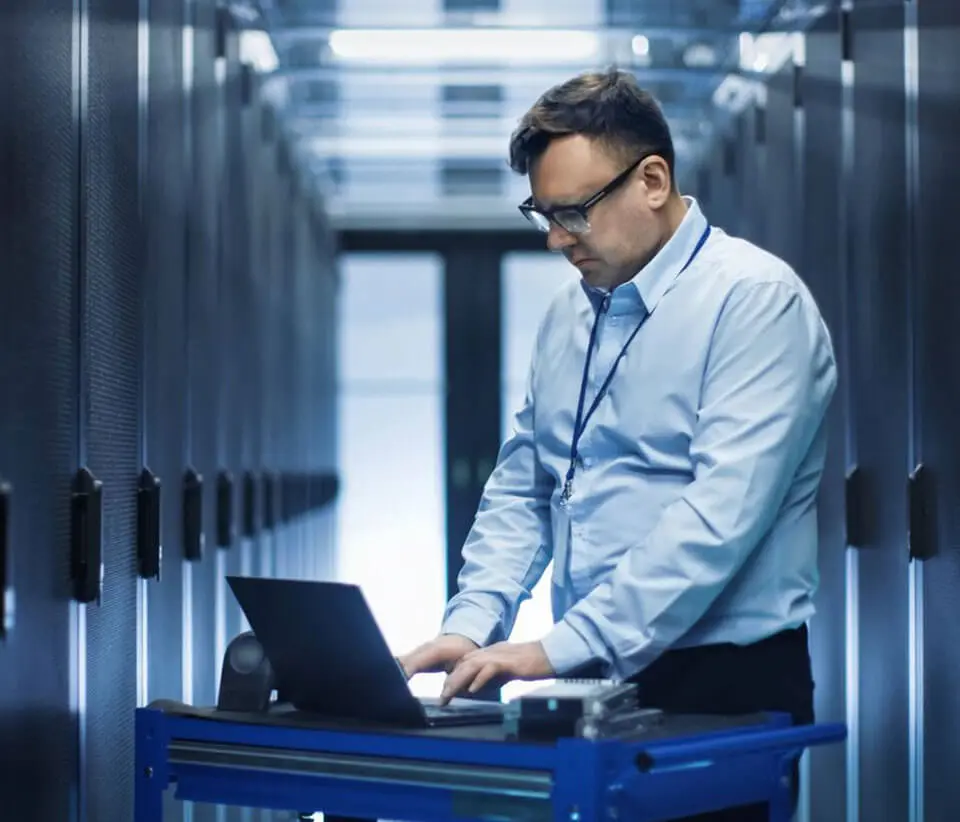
x=594, y=275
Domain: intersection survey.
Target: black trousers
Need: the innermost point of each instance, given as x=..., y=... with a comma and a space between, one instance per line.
x=771, y=675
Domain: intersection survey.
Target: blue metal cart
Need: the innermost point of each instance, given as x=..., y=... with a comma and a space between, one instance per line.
x=280, y=760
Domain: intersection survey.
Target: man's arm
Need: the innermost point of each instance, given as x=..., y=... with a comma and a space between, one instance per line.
x=769, y=379
x=509, y=545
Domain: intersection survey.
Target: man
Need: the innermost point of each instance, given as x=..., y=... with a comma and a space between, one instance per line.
x=669, y=451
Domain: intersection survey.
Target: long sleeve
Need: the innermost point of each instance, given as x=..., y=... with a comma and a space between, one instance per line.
x=509, y=545
x=769, y=378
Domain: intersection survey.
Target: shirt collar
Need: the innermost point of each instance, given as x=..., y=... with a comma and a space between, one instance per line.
x=653, y=280
x=656, y=277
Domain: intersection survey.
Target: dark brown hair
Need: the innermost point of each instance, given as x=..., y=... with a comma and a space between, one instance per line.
x=609, y=106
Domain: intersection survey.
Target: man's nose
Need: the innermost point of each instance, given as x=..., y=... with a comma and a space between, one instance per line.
x=559, y=238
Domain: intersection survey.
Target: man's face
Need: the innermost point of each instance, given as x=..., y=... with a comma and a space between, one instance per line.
x=624, y=231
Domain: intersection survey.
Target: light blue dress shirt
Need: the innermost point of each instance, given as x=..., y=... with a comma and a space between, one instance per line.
x=693, y=515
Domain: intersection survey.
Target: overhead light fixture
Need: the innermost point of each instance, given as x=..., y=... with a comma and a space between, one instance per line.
x=257, y=49
x=420, y=147
x=767, y=52
x=700, y=55
x=427, y=46
x=640, y=45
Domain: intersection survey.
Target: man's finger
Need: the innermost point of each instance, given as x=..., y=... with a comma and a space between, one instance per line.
x=411, y=663
x=483, y=676
x=423, y=660
x=458, y=679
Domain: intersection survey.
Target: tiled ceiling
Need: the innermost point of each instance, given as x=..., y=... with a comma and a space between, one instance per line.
x=400, y=110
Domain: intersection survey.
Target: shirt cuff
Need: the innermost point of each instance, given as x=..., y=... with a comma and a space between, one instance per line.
x=473, y=623
x=566, y=650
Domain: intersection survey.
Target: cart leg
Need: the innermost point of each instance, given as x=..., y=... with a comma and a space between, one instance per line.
x=150, y=774
x=149, y=797
x=782, y=803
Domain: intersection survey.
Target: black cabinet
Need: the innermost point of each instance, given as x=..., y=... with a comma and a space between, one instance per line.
x=38, y=407
x=752, y=165
x=937, y=416
x=825, y=199
x=131, y=312
x=110, y=379
x=204, y=170
x=780, y=194
x=878, y=319
x=165, y=345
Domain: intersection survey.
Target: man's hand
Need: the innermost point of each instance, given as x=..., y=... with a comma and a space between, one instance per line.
x=440, y=654
x=505, y=660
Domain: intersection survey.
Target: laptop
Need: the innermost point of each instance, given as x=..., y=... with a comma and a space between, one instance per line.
x=330, y=657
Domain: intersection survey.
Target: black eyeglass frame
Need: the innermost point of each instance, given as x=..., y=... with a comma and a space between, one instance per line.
x=552, y=215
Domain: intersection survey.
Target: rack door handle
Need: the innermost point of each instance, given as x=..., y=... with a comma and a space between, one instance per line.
x=6, y=563
x=857, y=508
x=193, y=515
x=249, y=504
x=225, y=509
x=149, y=548
x=269, y=500
x=921, y=513
x=86, y=563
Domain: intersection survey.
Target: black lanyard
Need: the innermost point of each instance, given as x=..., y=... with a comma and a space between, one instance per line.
x=581, y=421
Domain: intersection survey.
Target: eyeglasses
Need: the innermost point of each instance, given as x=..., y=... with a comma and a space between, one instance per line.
x=573, y=218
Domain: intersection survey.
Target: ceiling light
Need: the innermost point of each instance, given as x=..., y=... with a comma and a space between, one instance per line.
x=700, y=55
x=463, y=45
x=257, y=49
x=640, y=45
x=420, y=147
x=766, y=52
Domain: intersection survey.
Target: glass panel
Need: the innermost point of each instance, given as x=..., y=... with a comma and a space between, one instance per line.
x=391, y=323
x=391, y=535
x=529, y=282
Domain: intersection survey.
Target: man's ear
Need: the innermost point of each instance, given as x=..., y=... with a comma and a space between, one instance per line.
x=658, y=181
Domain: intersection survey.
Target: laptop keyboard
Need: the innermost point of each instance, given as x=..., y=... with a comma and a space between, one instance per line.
x=457, y=707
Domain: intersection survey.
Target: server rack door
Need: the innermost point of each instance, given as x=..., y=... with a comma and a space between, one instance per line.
x=110, y=386
x=251, y=250
x=279, y=435
x=270, y=546
x=223, y=488
x=753, y=171
x=202, y=318
x=323, y=422
x=329, y=297
x=265, y=301
x=725, y=185
x=283, y=365
x=821, y=261
x=937, y=355
x=879, y=373
x=227, y=488
x=38, y=408
x=306, y=374
x=263, y=284
x=306, y=377
x=233, y=285
x=300, y=452
x=779, y=182
x=165, y=353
